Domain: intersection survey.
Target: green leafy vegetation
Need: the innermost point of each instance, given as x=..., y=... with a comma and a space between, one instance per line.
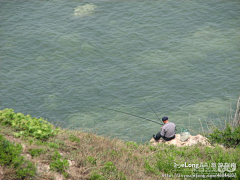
x=92, y=160
x=53, y=145
x=229, y=137
x=132, y=144
x=36, y=152
x=59, y=164
x=149, y=168
x=173, y=160
x=9, y=151
x=26, y=125
x=96, y=176
x=10, y=155
x=110, y=170
x=74, y=139
x=109, y=167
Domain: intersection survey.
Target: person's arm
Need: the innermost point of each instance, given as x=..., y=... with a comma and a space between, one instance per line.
x=162, y=132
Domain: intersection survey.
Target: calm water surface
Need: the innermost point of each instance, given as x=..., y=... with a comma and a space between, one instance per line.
x=65, y=59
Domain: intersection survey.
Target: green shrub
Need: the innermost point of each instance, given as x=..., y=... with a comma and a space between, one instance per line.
x=121, y=176
x=92, y=160
x=153, y=148
x=58, y=164
x=74, y=139
x=172, y=160
x=165, y=162
x=109, y=167
x=8, y=151
x=96, y=176
x=36, y=152
x=149, y=168
x=229, y=137
x=53, y=145
x=113, y=153
x=132, y=144
x=25, y=169
x=110, y=170
x=26, y=125
x=10, y=156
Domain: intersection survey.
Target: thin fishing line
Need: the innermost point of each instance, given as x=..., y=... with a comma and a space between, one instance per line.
x=151, y=109
x=131, y=115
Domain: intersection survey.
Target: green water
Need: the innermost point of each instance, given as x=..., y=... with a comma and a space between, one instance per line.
x=65, y=59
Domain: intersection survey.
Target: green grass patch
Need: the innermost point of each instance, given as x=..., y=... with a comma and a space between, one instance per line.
x=96, y=176
x=10, y=156
x=174, y=160
x=109, y=170
x=132, y=144
x=229, y=137
x=36, y=152
x=59, y=164
x=74, y=139
x=92, y=160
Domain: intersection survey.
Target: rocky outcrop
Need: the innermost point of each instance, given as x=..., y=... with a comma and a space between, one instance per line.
x=192, y=140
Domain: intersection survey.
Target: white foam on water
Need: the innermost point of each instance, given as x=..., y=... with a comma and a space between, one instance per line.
x=84, y=10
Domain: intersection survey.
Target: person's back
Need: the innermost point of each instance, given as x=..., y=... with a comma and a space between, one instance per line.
x=167, y=132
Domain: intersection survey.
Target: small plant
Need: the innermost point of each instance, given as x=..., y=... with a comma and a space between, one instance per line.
x=110, y=169
x=53, y=145
x=165, y=163
x=58, y=164
x=132, y=144
x=113, y=153
x=121, y=176
x=10, y=156
x=229, y=137
x=36, y=152
x=153, y=148
x=25, y=170
x=148, y=168
x=92, y=160
x=8, y=151
x=74, y=139
x=109, y=166
x=96, y=176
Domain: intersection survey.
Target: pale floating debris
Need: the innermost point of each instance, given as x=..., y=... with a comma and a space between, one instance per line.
x=84, y=10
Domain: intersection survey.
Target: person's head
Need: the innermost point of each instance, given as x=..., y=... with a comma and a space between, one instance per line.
x=165, y=120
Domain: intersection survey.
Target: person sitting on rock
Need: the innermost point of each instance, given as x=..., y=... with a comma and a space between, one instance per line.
x=167, y=132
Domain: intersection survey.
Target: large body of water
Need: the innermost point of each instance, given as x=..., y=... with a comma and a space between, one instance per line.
x=65, y=59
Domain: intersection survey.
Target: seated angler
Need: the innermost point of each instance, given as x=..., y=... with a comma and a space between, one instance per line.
x=167, y=132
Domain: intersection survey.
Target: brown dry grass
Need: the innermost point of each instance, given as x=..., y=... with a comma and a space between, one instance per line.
x=87, y=154
x=96, y=157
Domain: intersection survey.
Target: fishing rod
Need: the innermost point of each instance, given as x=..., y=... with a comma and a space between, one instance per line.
x=131, y=115
x=151, y=109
